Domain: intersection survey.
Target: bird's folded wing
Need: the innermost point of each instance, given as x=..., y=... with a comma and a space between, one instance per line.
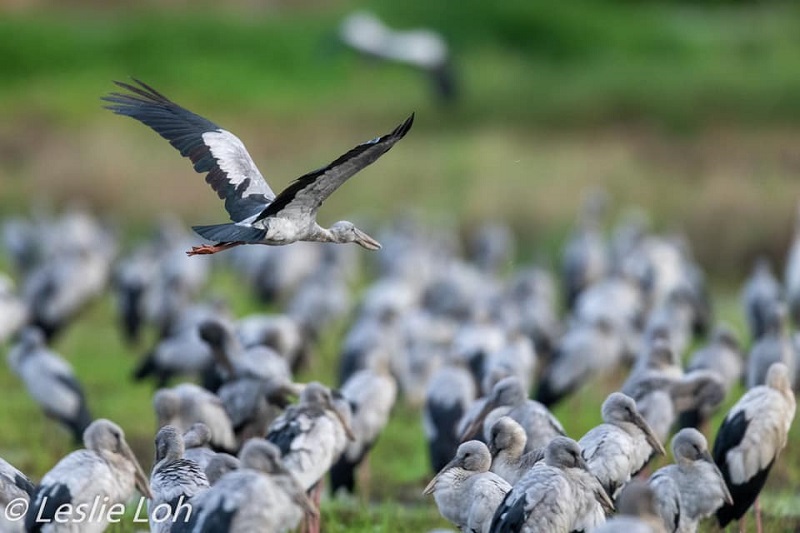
x=230, y=170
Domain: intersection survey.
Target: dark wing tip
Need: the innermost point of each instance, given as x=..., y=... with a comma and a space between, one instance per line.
x=401, y=130
x=139, y=93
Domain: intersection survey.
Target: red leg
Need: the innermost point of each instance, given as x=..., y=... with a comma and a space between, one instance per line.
x=315, y=521
x=207, y=249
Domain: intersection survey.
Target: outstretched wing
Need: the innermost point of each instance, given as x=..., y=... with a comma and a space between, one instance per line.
x=304, y=195
x=231, y=171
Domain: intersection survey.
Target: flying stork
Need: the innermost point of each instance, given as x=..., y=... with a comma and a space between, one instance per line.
x=258, y=215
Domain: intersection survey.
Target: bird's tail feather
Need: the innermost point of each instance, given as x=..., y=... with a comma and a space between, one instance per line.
x=230, y=233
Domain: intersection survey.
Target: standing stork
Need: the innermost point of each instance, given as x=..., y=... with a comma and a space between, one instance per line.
x=750, y=439
x=259, y=216
x=106, y=471
x=311, y=436
x=51, y=381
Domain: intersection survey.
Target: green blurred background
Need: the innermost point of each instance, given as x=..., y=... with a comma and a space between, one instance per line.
x=688, y=109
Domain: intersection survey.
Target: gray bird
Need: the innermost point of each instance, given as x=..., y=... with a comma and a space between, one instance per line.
x=259, y=215
x=51, y=381
x=187, y=403
x=636, y=506
x=14, y=487
x=197, y=444
x=619, y=447
x=259, y=497
x=466, y=493
x=173, y=480
x=219, y=465
x=450, y=392
x=760, y=294
x=774, y=346
x=697, y=478
x=507, y=445
x=106, y=470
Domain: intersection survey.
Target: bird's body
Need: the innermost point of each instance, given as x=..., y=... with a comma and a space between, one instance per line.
x=750, y=439
x=14, y=487
x=105, y=471
x=173, y=481
x=51, y=382
x=186, y=404
x=259, y=215
x=636, y=506
x=466, y=493
x=507, y=445
x=621, y=446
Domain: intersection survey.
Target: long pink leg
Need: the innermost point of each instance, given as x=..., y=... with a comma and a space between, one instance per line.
x=758, y=517
x=207, y=249
x=314, y=522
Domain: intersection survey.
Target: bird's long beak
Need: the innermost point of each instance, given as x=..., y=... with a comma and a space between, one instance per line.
x=345, y=425
x=650, y=436
x=141, y=480
x=429, y=488
x=365, y=241
x=477, y=423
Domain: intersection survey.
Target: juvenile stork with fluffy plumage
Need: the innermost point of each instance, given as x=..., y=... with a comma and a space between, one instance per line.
x=106, y=471
x=259, y=215
x=750, y=439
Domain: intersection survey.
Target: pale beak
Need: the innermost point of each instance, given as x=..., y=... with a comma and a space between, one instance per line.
x=429, y=488
x=141, y=480
x=365, y=241
x=649, y=435
x=345, y=425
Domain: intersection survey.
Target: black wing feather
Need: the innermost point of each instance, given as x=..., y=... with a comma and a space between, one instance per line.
x=245, y=195
x=336, y=172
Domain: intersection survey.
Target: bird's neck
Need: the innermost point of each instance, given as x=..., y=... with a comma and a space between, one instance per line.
x=320, y=234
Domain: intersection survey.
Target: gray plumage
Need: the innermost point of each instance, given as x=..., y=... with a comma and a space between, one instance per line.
x=760, y=294
x=105, y=471
x=14, y=485
x=774, y=346
x=722, y=355
x=259, y=216
x=259, y=497
x=507, y=445
x=187, y=403
x=450, y=392
x=637, y=510
x=620, y=446
x=466, y=493
x=698, y=480
x=312, y=434
x=197, y=444
x=558, y=494
x=219, y=465
x=13, y=311
x=51, y=381
x=173, y=480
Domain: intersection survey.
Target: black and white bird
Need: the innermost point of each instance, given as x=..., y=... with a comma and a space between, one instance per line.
x=258, y=215
x=105, y=471
x=51, y=381
x=173, y=481
x=750, y=439
x=15, y=487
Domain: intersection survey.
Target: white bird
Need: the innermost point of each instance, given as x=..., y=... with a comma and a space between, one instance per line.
x=620, y=446
x=750, y=438
x=259, y=216
x=13, y=311
x=697, y=479
x=173, y=480
x=259, y=497
x=106, y=471
x=51, y=381
x=466, y=493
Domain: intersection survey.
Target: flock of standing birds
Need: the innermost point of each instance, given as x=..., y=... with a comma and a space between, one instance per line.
x=452, y=333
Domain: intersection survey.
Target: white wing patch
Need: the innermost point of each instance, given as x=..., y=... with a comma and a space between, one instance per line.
x=233, y=158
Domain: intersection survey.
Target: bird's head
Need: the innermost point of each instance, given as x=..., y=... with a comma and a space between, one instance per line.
x=344, y=231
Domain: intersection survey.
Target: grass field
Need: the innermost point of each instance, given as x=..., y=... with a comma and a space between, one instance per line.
x=688, y=110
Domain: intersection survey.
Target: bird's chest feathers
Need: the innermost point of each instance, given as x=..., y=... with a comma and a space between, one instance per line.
x=283, y=230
